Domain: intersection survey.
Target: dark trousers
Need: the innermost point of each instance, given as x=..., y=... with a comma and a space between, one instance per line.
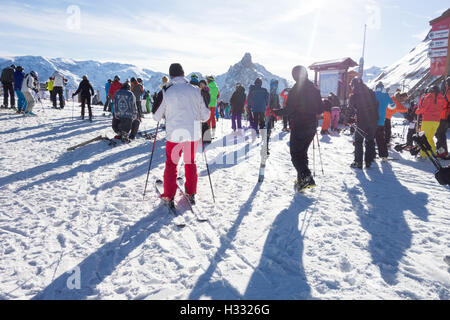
x=300, y=141
x=107, y=104
x=387, y=130
x=126, y=126
x=367, y=136
x=259, y=121
x=441, y=135
x=381, y=142
x=409, y=138
x=84, y=101
x=52, y=97
x=236, y=121
x=58, y=91
x=8, y=89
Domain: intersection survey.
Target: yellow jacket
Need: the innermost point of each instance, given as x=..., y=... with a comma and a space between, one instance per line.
x=50, y=85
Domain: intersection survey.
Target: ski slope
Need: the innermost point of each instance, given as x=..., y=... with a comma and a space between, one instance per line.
x=381, y=233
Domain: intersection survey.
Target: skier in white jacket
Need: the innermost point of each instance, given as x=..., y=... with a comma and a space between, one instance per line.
x=184, y=110
x=30, y=84
x=58, y=89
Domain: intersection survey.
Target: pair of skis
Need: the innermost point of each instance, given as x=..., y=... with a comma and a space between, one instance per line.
x=159, y=186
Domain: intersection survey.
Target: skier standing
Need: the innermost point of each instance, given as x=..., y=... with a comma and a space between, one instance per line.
x=204, y=90
x=214, y=94
x=326, y=117
x=433, y=105
x=398, y=107
x=335, y=111
x=184, y=109
x=30, y=84
x=237, y=102
x=115, y=86
x=58, y=89
x=86, y=91
x=107, y=106
x=137, y=90
x=258, y=99
x=19, y=76
x=384, y=100
x=7, y=79
x=441, y=133
x=50, y=86
x=303, y=105
x=284, y=96
x=363, y=103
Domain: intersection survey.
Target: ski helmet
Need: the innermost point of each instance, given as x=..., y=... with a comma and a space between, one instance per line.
x=126, y=85
x=435, y=89
x=447, y=81
x=19, y=68
x=109, y=80
x=210, y=79
x=380, y=86
x=13, y=66
x=116, y=78
x=258, y=81
x=139, y=80
x=194, y=76
x=133, y=79
x=34, y=74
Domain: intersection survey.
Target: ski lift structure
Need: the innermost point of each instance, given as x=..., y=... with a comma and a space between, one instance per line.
x=334, y=76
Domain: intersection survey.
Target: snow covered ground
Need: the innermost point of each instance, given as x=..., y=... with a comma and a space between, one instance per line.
x=65, y=216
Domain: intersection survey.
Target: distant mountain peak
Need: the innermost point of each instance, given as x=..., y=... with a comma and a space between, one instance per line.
x=247, y=60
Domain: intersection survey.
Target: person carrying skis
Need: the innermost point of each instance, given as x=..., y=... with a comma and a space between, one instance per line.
x=303, y=105
x=58, y=89
x=86, y=91
x=284, y=95
x=441, y=133
x=30, y=84
x=384, y=100
x=335, y=111
x=433, y=105
x=7, y=79
x=19, y=76
x=127, y=117
x=184, y=109
x=363, y=103
x=237, y=102
x=258, y=99
x=215, y=95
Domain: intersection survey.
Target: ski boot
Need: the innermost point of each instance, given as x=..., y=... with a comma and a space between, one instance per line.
x=170, y=202
x=305, y=183
x=356, y=165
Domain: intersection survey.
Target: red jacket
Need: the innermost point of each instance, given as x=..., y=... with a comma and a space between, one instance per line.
x=432, y=107
x=115, y=86
x=284, y=96
x=446, y=112
x=399, y=107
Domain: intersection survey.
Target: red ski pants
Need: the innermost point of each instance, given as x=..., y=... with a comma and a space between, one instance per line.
x=173, y=156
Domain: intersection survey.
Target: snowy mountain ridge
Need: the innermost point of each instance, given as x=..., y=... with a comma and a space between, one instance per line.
x=244, y=72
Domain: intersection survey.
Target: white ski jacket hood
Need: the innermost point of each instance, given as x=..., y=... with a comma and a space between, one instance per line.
x=184, y=110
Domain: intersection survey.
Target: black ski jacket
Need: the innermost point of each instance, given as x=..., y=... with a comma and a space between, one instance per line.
x=237, y=100
x=364, y=104
x=85, y=88
x=7, y=75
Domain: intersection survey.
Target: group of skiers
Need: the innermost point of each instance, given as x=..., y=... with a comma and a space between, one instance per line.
x=25, y=86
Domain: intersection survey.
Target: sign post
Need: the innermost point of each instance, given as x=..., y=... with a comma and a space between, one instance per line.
x=439, y=53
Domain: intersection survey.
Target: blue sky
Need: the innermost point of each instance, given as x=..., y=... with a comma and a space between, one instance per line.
x=209, y=36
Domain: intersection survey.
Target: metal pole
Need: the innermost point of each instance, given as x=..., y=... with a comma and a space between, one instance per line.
x=320, y=153
x=207, y=168
x=151, y=159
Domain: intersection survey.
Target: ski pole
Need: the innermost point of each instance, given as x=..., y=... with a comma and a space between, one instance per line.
x=314, y=158
x=73, y=106
x=151, y=159
x=207, y=168
x=320, y=153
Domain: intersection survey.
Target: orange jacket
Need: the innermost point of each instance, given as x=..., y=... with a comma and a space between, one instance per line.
x=399, y=107
x=432, y=107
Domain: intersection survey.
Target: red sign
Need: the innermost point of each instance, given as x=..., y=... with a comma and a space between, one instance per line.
x=439, y=47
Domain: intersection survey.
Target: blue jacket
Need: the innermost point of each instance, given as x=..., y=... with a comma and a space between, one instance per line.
x=18, y=79
x=383, y=101
x=258, y=99
x=107, y=85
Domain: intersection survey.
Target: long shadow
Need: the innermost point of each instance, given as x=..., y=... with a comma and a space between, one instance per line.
x=384, y=220
x=102, y=263
x=90, y=167
x=66, y=159
x=52, y=134
x=75, y=133
x=279, y=274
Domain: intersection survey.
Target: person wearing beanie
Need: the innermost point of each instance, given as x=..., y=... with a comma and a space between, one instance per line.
x=86, y=91
x=184, y=109
x=107, y=106
x=115, y=86
x=303, y=105
x=237, y=103
x=137, y=90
